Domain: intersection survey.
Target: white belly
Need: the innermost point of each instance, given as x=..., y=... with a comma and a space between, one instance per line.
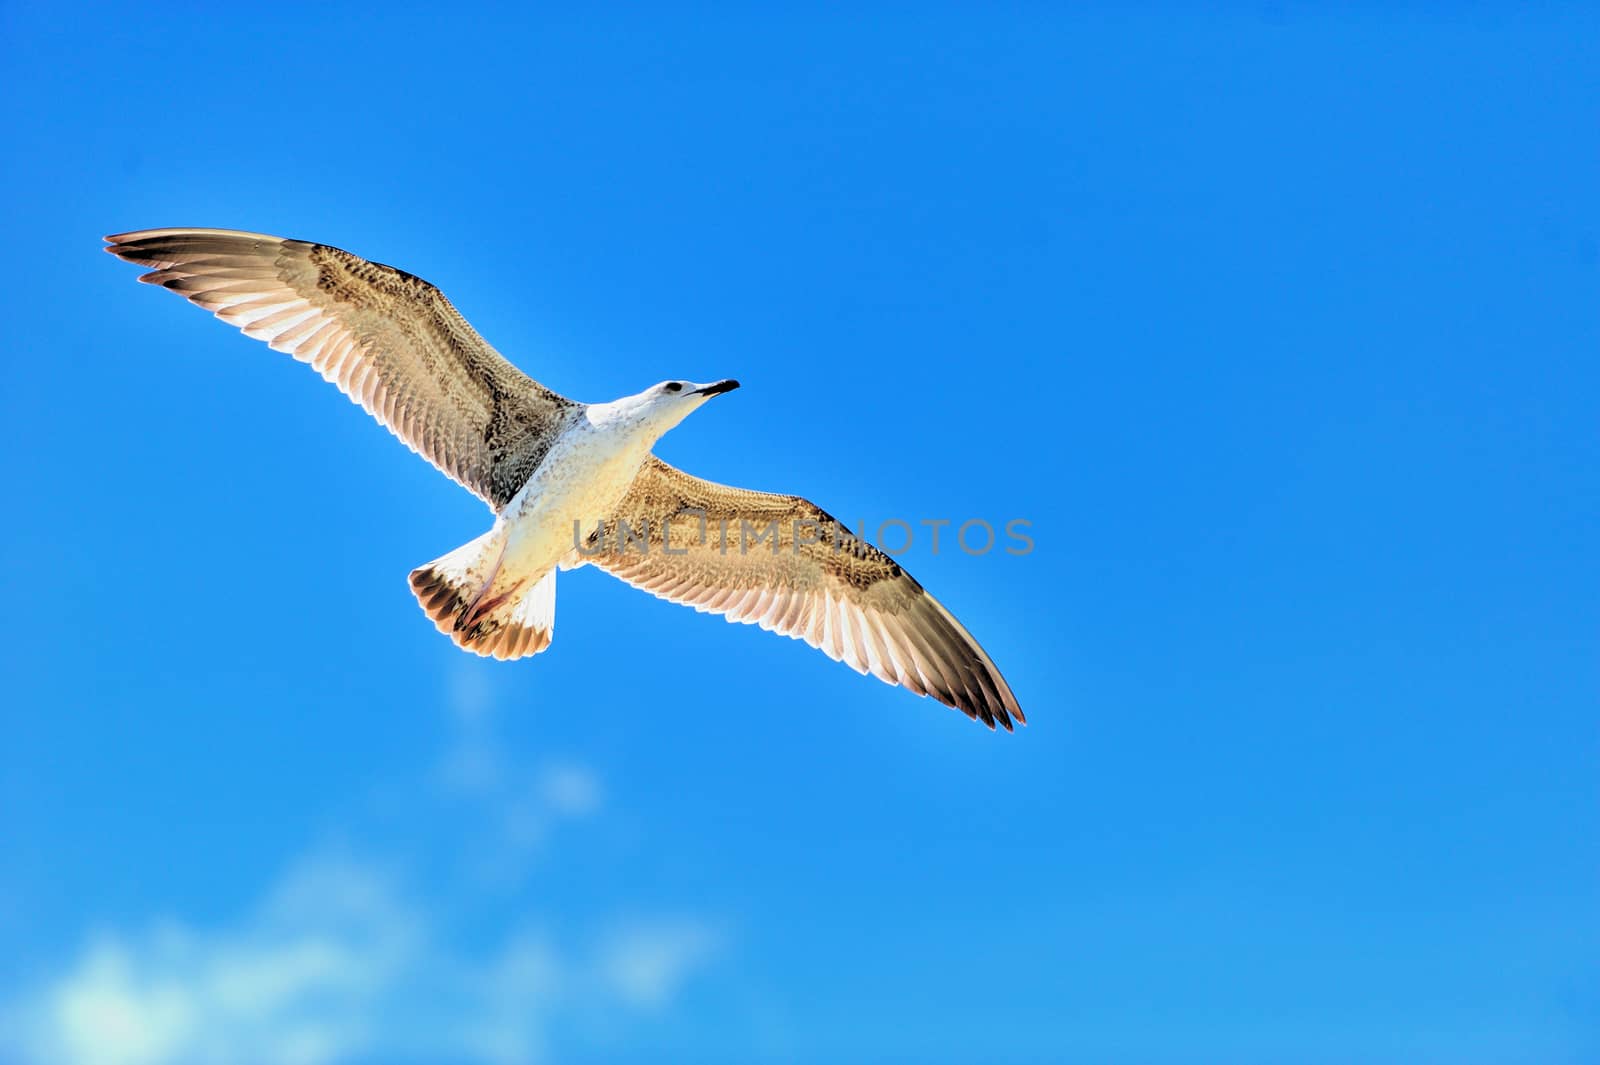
x=579, y=483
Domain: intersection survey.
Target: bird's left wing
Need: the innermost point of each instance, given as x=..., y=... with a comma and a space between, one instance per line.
x=785, y=564
x=387, y=339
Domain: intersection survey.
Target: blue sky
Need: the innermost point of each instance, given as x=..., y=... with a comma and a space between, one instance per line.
x=1280, y=327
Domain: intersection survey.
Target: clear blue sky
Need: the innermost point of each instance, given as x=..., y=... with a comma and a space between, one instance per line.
x=1280, y=326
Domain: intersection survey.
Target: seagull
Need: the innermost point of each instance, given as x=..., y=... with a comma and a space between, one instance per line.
x=570, y=484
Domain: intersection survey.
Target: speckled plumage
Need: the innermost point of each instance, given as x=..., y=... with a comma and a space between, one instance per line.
x=549, y=466
x=706, y=545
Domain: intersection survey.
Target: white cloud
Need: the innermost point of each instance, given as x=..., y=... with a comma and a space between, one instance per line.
x=104, y=1014
x=300, y=981
x=645, y=964
x=523, y=983
x=335, y=962
x=570, y=790
x=342, y=959
x=472, y=765
x=523, y=805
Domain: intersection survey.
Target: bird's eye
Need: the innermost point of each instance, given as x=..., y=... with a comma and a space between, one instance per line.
x=673, y=386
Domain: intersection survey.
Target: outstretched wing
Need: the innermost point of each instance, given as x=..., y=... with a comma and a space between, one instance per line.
x=389, y=340
x=788, y=566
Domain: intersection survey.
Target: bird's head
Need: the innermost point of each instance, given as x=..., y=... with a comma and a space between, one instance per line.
x=660, y=407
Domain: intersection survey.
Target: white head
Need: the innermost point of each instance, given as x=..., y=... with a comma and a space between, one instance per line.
x=658, y=408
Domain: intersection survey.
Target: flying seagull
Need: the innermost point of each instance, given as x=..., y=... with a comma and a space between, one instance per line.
x=570, y=483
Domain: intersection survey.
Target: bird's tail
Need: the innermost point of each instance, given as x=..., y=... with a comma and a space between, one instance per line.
x=485, y=610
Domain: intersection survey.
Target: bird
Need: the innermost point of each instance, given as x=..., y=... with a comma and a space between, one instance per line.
x=570, y=484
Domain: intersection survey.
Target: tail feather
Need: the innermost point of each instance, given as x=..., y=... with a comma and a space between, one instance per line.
x=478, y=607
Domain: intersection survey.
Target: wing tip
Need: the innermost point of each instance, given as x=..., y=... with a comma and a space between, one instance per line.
x=174, y=243
x=131, y=247
x=137, y=236
x=1008, y=720
x=116, y=245
x=993, y=716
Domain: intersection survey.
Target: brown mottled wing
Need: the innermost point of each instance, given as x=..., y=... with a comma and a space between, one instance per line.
x=390, y=341
x=852, y=602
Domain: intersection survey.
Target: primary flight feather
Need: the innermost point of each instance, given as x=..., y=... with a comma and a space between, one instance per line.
x=570, y=483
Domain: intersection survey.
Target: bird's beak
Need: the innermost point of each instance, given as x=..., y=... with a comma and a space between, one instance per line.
x=718, y=388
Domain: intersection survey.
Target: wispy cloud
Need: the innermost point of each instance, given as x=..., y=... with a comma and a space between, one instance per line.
x=645, y=963
x=336, y=961
x=570, y=790
x=520, y=805
x=344, y=956
x=302, y=979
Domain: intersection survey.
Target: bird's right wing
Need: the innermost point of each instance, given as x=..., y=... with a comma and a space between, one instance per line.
x=387, y=339
x=707, y=546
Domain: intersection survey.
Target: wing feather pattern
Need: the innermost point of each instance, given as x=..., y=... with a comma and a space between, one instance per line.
x=389, y=340
x=708, y=546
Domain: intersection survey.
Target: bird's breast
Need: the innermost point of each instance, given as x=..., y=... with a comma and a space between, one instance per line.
x=579, y=484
